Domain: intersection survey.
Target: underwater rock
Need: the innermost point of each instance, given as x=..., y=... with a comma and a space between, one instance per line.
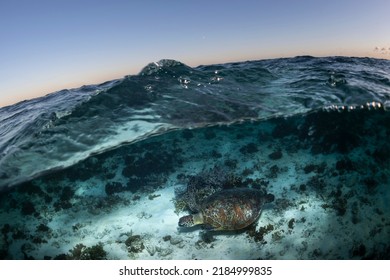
x=164, y=252
x=167, y=238
x=151, y=249
x=175, y=240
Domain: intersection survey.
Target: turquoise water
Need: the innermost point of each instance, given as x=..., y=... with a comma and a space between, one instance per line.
x=314, y=132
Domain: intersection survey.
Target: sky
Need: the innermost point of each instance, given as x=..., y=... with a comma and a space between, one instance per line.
x=49, y=45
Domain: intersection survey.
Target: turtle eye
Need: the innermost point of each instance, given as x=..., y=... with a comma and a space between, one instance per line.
x=186, y=221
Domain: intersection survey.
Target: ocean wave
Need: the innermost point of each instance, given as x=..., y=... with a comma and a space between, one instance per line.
x=63, y=128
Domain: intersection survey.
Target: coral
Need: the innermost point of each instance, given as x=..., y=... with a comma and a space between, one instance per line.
x=152, y=162
x=180, y=205
x=82, y=252
x=3, y=247
x=320, y=168
x=249, y=149
x=282, y=204
x=38, y=240
x=30, y=188
x=43, y=228
x=207, y=237
x=371, y=184
x=273, y=172
x=153, y=196
x=275, y=155
x=134, y=244
x=28, y=208
x=284, y=128
x=358, y=250
x=216, y=154
x=277, y=235
x=231, y=163
x=340, y=205
x=187, y=134
x=204, y=184
x=291, y=223
x=258, y=236
x=64, y=201
x=334, y=131
x=316, y=183
x=382, y=154
x=114, y=187
x=209, y=134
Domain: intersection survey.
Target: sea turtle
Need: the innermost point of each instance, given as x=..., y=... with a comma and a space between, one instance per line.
x=230, y=209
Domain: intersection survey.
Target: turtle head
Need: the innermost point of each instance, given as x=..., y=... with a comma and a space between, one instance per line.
x=190, y=220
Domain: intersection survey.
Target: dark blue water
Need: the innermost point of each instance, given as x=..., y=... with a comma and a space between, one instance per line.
x=314, y=132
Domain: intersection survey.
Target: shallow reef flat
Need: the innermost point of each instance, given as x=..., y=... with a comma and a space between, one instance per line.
x=328, y=171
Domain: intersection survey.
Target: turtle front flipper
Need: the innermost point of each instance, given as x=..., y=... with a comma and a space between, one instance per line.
x=191, y=220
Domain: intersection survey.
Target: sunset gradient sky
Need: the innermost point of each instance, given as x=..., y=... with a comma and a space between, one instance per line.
x=49, y=45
